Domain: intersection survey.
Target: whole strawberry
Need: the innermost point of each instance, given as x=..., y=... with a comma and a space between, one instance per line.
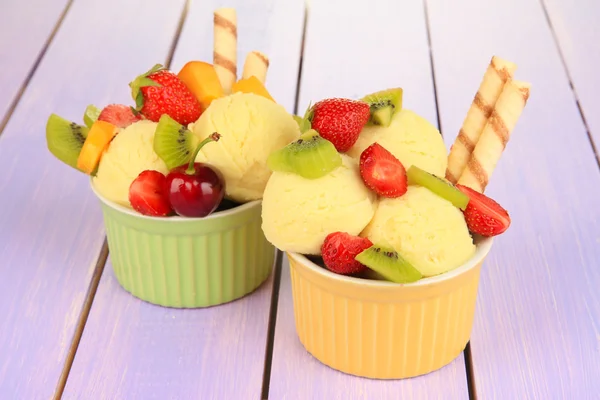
x=339, y=121
x=338, y=252
x=159, y=92
x=483, y=215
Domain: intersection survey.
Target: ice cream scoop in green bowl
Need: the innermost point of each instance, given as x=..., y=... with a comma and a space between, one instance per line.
x=188, y=262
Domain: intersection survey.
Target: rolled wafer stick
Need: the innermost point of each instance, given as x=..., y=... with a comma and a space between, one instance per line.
x=499, y=71
x=495, y=135
x=256, y=64
x=225, y=47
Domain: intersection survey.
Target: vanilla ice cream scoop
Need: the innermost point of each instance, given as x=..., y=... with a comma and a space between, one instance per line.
x=425, y=229
x=298, y=213
x=130, y=152
x=411, y=138
x=251, y=127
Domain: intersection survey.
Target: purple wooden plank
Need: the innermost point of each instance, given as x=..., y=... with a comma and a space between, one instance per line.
x=375, y=46
x=537, y=324
x=24, y=29
x=51, y=224
x=575, y=27
x=153, y=352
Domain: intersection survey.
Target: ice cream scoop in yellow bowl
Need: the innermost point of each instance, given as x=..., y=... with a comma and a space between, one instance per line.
x=384, y=330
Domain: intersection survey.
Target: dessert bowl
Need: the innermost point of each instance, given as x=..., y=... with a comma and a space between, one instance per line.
x=380, y=329
x=188, y=262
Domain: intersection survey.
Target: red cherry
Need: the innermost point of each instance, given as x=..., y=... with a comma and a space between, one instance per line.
x=196, y=189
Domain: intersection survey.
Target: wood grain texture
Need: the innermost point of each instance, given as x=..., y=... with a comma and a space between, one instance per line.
x=575, y=28
x=51, y=223
x=372, y=46
x=24, y=28
x=537, y=327
x=132, y=349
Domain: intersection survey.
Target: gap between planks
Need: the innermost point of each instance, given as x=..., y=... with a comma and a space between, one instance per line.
x=103, y=255
x=36, y=63
x=468, y=360
x=568, y=73
x=279, y=261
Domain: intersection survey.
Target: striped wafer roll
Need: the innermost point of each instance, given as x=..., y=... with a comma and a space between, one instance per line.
x=225, y=47
x=499, y=71
x=495, y=135
x=256, y=64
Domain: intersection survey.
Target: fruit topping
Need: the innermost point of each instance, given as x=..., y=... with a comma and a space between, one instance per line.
x=310, y=156
x=389, y=264
x=340, y=249
x=196, y=189
x=382, y=172
x=251, y=85
x=439, y=186
x=119, y=115
x=303, y=123
x=159, y=92
x=483, y=215
x=65, y=139
x=98, y=139
x=148, y=194
x=201, y=79
x=383, y=105
x=339, y=121
x=90, y=115
x=173, y=142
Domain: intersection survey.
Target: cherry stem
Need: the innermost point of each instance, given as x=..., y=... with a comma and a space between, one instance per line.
x=214, y=137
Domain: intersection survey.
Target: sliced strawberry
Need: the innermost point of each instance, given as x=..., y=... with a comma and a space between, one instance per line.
x=338, y=252
x=483, y=215
x=148, y=194
x=339, y=120
x=382, y=172
x=119, y=115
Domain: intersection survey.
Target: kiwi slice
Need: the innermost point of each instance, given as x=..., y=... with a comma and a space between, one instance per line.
x=439, y=186
x=173, y=142
x=310, y=156
x=384, y=105
x=65, y=139
x=91, y=115
x=389, y=264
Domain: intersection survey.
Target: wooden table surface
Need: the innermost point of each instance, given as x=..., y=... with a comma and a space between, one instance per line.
x=68, y=329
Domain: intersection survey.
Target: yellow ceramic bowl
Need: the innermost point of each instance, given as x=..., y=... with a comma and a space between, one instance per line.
x=384, y=330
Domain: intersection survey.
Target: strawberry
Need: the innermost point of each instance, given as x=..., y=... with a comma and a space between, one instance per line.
x=159, y=92
x=338, y=252
x=483, y=215
x=339, y=121
x=119, y=115
x=382, y=172
x=148, y=194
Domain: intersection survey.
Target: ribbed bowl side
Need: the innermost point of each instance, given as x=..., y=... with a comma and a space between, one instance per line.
x=187, y=270
x=402, y=338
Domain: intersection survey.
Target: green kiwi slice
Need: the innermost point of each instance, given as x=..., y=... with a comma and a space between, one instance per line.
x=310, y=156
x=444, y=189
x=389, y=264
x=173, y=142
x=91, y=115
x=65, y=139
x=384, y=105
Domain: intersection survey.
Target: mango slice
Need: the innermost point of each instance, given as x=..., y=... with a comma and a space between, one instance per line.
x=202, y=80
x=251, y=85
x=98, y=139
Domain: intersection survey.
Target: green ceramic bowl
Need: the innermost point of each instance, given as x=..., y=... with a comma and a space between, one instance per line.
x=188, y=262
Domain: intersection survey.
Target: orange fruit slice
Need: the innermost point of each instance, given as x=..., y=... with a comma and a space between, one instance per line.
x=99, y=136
x=202, y=80
x=251, y=85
